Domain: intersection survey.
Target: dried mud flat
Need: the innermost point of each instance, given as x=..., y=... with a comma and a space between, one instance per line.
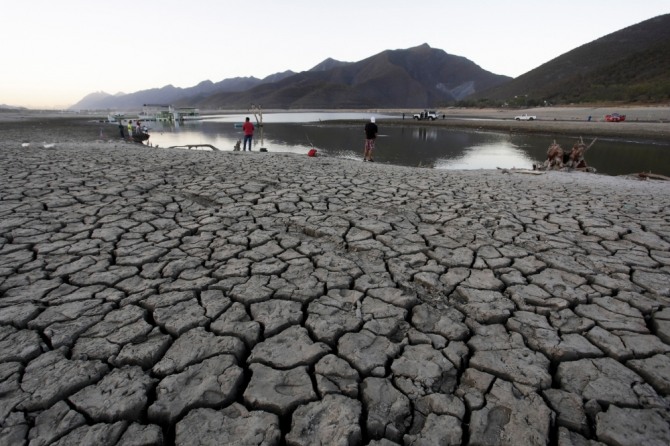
x=153, y=296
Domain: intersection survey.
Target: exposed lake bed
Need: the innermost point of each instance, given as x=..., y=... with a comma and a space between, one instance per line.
x=164, y=296
x=150, y=295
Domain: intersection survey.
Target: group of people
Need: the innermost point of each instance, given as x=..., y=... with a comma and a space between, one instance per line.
x=131, y=129
x=248, y=128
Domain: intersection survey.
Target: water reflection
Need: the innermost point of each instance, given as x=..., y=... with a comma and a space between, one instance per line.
x=424, y=134
x=425, y=146
x=488, y=156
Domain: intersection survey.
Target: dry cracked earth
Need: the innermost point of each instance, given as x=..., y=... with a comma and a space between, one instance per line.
x=152, y=296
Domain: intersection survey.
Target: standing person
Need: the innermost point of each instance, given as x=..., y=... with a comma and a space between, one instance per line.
x=370, y=136
x=121, y=130
x=248, y=128
x=130, y=128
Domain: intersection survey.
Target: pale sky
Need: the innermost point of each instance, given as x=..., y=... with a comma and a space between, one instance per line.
x=56, y=52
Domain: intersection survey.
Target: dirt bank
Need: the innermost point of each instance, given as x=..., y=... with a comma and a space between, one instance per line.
x=641, y=122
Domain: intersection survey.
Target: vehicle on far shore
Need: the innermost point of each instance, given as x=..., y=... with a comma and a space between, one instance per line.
x=426, y=114
x=615, y=117
x=525, y=117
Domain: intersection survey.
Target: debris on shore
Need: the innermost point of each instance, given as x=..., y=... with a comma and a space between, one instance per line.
x=560, y=159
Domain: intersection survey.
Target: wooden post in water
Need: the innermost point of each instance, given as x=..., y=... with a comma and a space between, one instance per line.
x=257, y=110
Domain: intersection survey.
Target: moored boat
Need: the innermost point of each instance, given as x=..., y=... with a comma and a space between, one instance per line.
x=186, y=114
x=140, y=137
x=156, y=112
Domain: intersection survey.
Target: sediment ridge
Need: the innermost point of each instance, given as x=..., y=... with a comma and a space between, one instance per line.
x=164, y=296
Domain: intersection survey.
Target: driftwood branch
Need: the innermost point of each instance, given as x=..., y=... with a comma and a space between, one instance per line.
x=653, y=176
x=558, y=159
x=592, y=143
x=526, y=171
x=190, y=146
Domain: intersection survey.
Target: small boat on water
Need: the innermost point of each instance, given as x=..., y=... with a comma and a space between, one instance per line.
x=140, y=137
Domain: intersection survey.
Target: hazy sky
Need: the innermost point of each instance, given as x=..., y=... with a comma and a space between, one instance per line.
x=56, y=52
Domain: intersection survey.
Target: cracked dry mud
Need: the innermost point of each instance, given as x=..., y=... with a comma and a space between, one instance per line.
x=169, y=297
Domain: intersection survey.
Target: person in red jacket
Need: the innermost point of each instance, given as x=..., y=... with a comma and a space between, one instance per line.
x=248, y=128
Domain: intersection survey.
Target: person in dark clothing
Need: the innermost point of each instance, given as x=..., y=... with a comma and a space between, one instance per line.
x=370, y=136
x=121, y=130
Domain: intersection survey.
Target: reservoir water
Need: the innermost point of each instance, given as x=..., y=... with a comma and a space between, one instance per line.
x=426, y=146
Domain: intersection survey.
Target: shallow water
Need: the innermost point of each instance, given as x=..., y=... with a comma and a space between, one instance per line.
x=428, y=146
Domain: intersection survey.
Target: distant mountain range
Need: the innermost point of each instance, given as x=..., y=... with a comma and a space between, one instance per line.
x=170, y=94
x=629, y=65
x=5, y=107
x=414, y=77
